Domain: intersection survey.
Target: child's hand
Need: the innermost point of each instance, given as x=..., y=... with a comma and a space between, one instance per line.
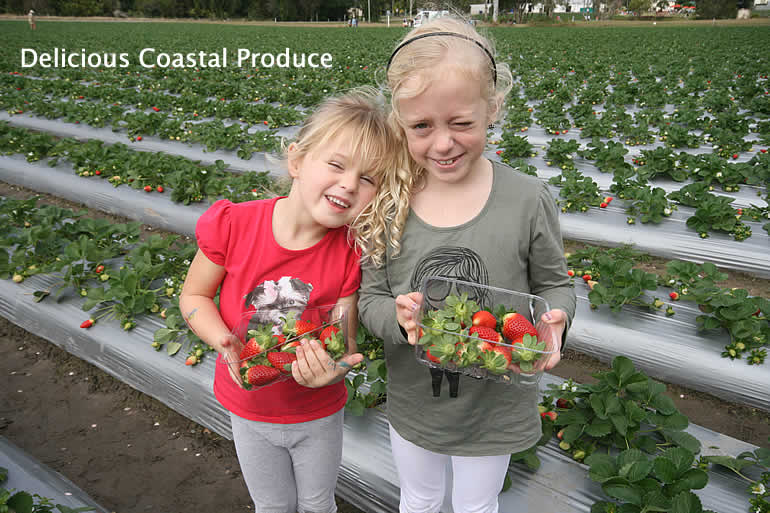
x=230, y=348
x=554, y=321
x=407, y=308
x=314, y=367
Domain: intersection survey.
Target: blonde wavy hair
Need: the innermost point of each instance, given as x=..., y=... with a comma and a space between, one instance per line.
x=361, y=115
x=465, y=54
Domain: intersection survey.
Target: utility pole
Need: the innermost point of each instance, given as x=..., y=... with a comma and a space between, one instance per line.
x=495, y=4
x=369, y=6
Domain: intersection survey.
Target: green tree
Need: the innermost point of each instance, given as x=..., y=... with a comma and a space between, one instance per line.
x=639, y=7
x=709, y=9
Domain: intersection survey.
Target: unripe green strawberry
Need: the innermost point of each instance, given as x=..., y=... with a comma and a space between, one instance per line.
x=18, y=278
x=579, y=455
x=565, y=446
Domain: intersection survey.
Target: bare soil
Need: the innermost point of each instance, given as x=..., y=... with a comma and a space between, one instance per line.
x=131, y=453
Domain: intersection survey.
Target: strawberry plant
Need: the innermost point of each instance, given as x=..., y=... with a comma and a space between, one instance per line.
x=637, y=482
x=609, y=157
x=660, y=162
x=623, y=410
x=647, y=203
x=376, y=374
x=20, y=501
x=579, y=192
x=559, y=153
x=619, y=284
x=759, y=489
x=745, y=319
x=514, y=146
x=715, y=213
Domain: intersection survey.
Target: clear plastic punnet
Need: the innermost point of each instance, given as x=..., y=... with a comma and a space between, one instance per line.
x=269, y=338
x=484, y=332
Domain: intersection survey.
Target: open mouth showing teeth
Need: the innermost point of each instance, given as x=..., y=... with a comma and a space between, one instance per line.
x=337, y=202
x=446, y=162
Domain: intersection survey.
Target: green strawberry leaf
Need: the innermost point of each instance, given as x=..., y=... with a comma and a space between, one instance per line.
x=621, y=489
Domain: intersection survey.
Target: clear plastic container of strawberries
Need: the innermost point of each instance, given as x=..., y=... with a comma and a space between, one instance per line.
x=270, y=337
x=484, y=332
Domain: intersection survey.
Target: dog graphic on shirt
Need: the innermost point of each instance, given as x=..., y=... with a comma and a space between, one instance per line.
x=275, y=299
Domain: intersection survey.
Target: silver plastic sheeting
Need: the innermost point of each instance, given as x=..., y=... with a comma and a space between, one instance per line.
x=27, y=474
x=81, y=131
x=607, y=227
x=677, y=353
x=669, y=348
x=150, y=209
x=367, y=477
x=669, y=239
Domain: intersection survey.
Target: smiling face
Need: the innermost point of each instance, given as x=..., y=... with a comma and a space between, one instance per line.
x=446, y=126
x=331, y=184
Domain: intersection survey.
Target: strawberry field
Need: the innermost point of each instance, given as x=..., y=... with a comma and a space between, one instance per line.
x=654, y=142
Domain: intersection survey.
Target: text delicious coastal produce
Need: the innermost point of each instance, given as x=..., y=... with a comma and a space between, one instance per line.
x=150, y=57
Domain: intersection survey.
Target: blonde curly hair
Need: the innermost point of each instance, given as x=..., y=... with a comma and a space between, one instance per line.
x=470, y=53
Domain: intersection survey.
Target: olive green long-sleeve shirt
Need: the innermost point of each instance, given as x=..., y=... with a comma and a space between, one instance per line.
x=515, y=244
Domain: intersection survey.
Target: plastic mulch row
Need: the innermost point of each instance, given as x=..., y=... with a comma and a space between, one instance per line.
x=27, y=474
x=666, y=348
x=607, y=227
x=367, y=477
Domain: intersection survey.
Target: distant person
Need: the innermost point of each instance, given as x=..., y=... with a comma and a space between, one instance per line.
x=31, y=19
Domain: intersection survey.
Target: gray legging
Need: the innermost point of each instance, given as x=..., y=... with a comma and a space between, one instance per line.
x=290, y=467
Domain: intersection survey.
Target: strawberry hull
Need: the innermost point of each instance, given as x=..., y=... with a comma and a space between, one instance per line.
x=514, y=353
x=269, y=338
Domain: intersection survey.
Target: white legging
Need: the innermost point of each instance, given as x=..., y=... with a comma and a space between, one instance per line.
x=477, y=481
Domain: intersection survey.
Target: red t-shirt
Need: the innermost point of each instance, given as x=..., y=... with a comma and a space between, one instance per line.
x=240, y=238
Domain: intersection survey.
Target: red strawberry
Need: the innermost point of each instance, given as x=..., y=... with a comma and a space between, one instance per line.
x=735, y=155
x=99, y=269
x=191, y=360
x=147, y=188
x=159, y=188
x=674, y=296
x=328, y=332
x=281, y=361
x=156, y=109
x=484, y=318
x=97, y=172
x=304, y=327
x=586, y=277
x=505, y=351
x=87, y=323
x=291, y=346
x=487, y=335
x=279, y=339
x=431, y=357
x=251, y=349
x=563, y=403
x=515, y=325
x=570, y=273
x=259, y=375
x=138, y=137
x=550, y=415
